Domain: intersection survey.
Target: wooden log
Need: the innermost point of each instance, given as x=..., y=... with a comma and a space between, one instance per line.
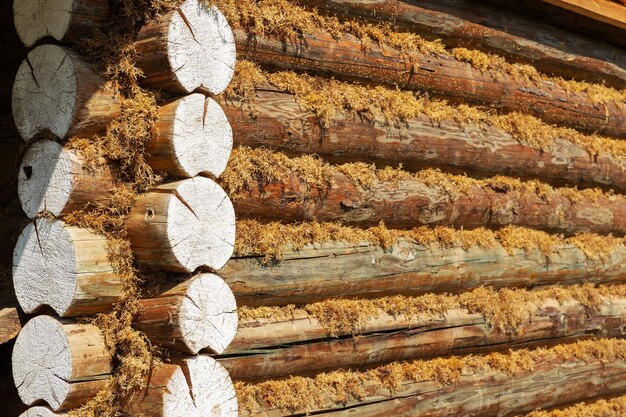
x=58, y=180
x=301, y=345
x=343, y=57
x=196, y=314
x=195, y=387
x=192, y=137
x=602, y=11
x=12, y=405
x=407, y=203
x=187, y=49
x=62, y=20
x=41, y=412
x=64, y=267
x=494, y=29
x=183, y=225
x=280, y=123
x=408, y=268
x=56, y=91
x=61, y=363
x=11, y=321
x=462, y=386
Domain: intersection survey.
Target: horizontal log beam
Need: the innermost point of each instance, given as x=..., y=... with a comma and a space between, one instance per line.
x=366, y=270
x=602, y=11
x=304, y=345
x=279, y=122
x=344, y=57
x=493, y=29
x=493, y=385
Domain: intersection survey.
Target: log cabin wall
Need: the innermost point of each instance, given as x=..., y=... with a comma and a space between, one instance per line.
x=295, y=207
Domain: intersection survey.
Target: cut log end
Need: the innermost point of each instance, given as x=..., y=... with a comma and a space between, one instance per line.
x=36, y=19
x=41, y=412
x=42, y=362
x=44, y=266
x=194, y=138
x=45, y=179
x=45, y=93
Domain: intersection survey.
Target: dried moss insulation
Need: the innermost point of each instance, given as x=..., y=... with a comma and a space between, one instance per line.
x=505, y=309
x=304, y=394
x=614, y=407
x=330, y=99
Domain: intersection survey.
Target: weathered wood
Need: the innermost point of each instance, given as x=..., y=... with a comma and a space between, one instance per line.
x=61, y=363
x=553, y=380
x=63, y=20
x=187, y=49
x=192, y=136
x=64, y=267
x=366, y=271
x=195, y=387
x=494, y=29
x=343, y=56
x=57, y=180
x=275, y=348
x=41, y=412
x=196, y=314
x=280, y=123
x=56, y=91
x=412, y=202
x=11, y=321
x=183, y=225
x=602, y=11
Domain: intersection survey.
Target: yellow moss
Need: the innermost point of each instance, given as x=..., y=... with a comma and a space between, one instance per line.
x=301, y=395
x=615, y=407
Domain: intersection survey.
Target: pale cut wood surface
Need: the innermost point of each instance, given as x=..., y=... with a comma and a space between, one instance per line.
x=41, y=412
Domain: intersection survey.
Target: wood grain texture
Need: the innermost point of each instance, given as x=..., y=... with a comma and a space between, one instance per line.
x=493, y=29
x=272, y=349
x=367, y=271
x=603, y=11
x=279, y=122
x=11, y=321
x=344, y=57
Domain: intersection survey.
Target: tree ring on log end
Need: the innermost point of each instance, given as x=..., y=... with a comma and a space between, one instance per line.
x=45, y=179
x=45, y=92
x=201, y=48
x=211, y=386
x=37, y=19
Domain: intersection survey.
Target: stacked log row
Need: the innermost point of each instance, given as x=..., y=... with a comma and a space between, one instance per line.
x=179, y=226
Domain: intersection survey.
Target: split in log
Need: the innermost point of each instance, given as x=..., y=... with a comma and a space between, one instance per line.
x=198, y=313
x=192, y=137
x=10, y=321
x=63, y=20
x=56, y=91
x=57, y=180
x=296, y=342
x=64, y=267
x=495, y=384
x=41, y=412
x=183, y=225
x=343, y=57
x=199, y=387
x=494, y=29
x=366, y=270
x=404, y=200
x=61, y=363
x=191, y=48
x=280, y=123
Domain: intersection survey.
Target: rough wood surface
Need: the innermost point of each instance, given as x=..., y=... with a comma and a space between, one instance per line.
x=195, y=387
x=62, y=20
x=494, y=29
x=196, y=314
x=279, y=122
x=61, y=363
x=412, y=202
x=187, y=49
x=192, y=137
x=64, y=267
x=55, y=179
x=344, y=57
x=11, y=321
x=275, y=348
x=553, y=381
x=183, y=225
x=56, y=91
x=366, y=271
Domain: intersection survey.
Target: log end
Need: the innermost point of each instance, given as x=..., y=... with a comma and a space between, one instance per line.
x=40, y=412
x=42, y=362
x=45, y=179
x=36, y=19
